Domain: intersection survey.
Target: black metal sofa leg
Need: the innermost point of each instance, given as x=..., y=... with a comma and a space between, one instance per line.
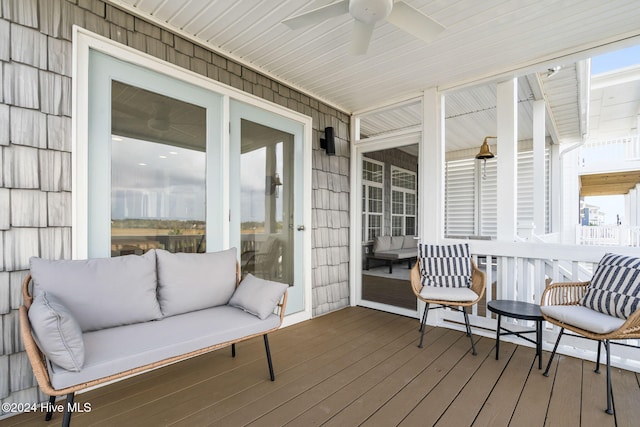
x=68, y=410
x=607, y=348
x=597, y=370
x=233, y=350
x=266, y=347
x=49, y=415
x=469, y=334
x=553, y=353
x=422, y=324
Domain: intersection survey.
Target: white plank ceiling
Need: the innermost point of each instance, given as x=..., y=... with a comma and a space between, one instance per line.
x=483, y=41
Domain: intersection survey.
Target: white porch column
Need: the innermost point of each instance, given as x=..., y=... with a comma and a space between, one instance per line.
x=635, y=208
x=539, y=188
x=631, y=206
x=507, y=159
x=431, y=168
x=556, y=189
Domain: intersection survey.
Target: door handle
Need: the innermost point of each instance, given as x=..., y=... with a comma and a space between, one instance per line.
x=301, y=228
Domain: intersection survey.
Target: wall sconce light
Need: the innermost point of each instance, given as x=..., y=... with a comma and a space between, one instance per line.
x=484, y=154
x=273, y=185
x=329, y=142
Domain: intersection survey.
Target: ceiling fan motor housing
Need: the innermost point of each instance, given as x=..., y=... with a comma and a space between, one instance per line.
x=370, y=11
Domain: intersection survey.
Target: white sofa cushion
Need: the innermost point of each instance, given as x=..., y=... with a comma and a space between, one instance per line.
x=583, y=318
x=258, y=296
x=397, y=254
x=382, y=243
x=114, y=350
x=103, y=292
x=396, y=242
x=410, y=243
x=58, y=334
x=448, y=294
x=188, y=282
x=448, y=266
x=615, y=287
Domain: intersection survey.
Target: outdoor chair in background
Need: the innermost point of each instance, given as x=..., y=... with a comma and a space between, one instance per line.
x=264, y=262
x=446, y=276
x=604, y=309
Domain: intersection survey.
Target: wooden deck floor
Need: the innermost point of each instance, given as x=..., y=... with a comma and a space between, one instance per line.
x=362, y=367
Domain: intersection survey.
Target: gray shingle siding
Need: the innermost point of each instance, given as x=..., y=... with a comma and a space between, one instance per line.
x=35, y=152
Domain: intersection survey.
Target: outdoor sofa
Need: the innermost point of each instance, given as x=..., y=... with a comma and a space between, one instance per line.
x=88, y=322
x=392, y=249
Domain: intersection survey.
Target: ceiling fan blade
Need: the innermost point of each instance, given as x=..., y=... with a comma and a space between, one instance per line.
x=414, y=22
x=362, y=33
x=318, y=15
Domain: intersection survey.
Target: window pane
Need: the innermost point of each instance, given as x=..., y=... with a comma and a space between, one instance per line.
x=375, y=199
x=397, y=202
x=396, y=226
x=372, y=171
x=403, y=179
x=410, y=226
x=157, y=173
x=410, y=204
x=375, y=226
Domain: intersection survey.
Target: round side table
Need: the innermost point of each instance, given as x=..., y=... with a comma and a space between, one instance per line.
x=518, y=310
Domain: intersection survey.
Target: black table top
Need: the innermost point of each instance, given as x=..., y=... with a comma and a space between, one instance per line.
x=515, y=309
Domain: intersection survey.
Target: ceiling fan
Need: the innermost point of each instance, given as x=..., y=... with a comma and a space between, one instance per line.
x=366, y=13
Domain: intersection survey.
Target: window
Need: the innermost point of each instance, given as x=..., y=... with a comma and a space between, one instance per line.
x=403, y=202
x=157, y=172
x=372, y=199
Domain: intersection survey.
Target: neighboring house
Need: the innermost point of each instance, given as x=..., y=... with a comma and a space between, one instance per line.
x=243, y=163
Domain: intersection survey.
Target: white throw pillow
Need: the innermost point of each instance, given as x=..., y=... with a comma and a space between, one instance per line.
x=258, y=296
x=57, y=332
x=189, y=282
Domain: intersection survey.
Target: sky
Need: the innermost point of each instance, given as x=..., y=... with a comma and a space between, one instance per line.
x=612, y=205
x=615, y=60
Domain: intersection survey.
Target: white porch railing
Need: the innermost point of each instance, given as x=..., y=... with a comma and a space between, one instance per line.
x=520, y=271
x=608, y=235
x=618, y=149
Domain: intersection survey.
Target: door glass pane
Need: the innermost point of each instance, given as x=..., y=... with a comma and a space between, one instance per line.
x=158, y=172
x=267, y=208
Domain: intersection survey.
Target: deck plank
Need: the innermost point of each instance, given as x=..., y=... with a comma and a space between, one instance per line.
x=626, y=398
x=357, y=388
x=428, y=364
x=499, y=407
x=594, y=397
x=465, y=407
x=531, y=407
x=357, y=366
x=565, y=404
x=323, y=368
x=423, y=406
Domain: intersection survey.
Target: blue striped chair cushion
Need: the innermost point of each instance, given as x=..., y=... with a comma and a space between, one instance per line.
x=446, y=266
x=615, y=286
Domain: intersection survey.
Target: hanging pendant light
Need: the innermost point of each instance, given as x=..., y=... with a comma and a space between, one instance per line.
x=484, y=154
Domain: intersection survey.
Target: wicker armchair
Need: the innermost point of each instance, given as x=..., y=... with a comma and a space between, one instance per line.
x=456, y=303
x=568, y=295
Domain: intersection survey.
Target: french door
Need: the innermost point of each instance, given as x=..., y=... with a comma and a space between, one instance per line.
x=266, y=197
x=174, y=165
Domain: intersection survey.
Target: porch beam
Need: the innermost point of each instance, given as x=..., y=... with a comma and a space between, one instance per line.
x=507, y=97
